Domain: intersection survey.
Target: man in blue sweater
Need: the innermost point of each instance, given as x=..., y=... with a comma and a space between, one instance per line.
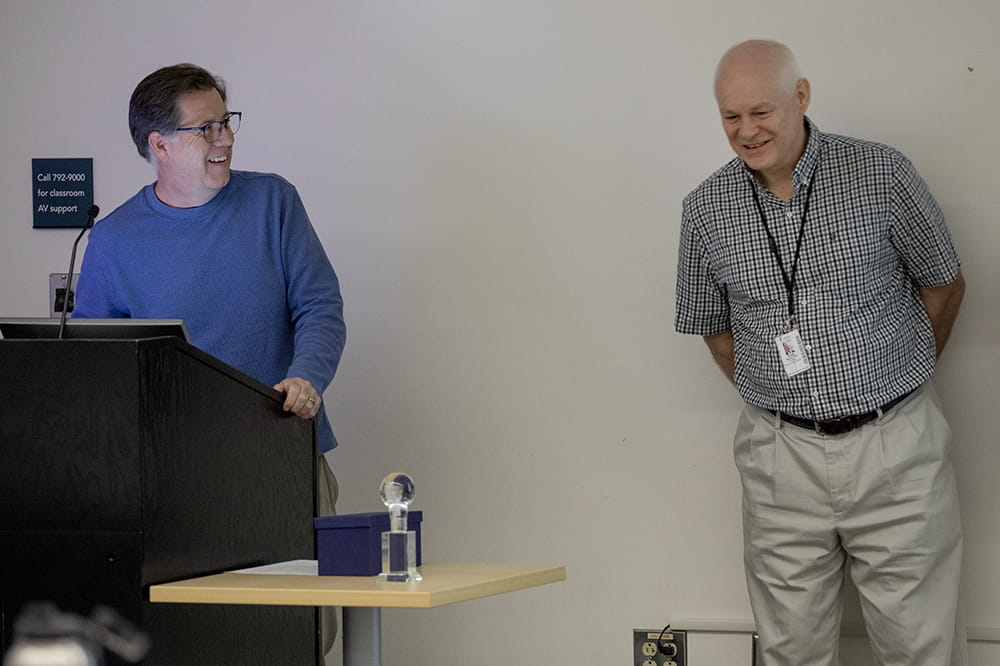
x=232, y=253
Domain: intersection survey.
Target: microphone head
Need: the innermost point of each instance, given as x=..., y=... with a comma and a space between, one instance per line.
x=93, y=210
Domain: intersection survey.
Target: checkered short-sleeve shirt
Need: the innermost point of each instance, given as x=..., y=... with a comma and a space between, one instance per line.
x=873, y=236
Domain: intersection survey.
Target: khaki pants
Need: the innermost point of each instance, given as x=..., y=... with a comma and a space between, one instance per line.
x=879, y=504
x=327, y=490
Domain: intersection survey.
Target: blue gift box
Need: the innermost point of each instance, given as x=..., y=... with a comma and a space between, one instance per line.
x=351, y=544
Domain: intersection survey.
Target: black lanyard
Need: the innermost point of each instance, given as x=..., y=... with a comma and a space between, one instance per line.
x=788, y=277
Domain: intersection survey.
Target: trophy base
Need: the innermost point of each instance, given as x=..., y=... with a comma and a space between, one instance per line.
x=404, y=577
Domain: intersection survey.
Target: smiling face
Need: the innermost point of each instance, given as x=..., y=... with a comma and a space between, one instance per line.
x=191, y=171
x=763, y=103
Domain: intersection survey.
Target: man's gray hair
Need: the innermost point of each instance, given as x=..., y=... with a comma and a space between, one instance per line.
x=780, y=54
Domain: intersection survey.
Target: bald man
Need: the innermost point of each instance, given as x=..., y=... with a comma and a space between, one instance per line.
x=819, y=270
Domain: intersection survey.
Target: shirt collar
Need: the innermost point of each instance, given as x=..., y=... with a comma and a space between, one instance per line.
x=810, y=157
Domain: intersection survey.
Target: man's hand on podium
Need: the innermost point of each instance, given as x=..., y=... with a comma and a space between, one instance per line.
x=301, y=398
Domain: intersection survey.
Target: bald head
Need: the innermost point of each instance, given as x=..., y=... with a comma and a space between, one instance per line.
x=761, y=57
x=762, y=100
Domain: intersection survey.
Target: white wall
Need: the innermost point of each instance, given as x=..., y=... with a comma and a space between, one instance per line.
x=498, y=185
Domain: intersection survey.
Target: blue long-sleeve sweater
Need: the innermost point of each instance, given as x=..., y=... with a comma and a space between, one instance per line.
x=246, y=272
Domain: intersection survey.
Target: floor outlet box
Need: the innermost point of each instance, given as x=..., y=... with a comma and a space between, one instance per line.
x=57, y=293
x=657, y=647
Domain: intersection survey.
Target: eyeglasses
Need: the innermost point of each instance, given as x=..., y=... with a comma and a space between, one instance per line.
x=211, y=131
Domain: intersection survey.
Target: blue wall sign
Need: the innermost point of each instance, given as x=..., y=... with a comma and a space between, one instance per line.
x=62, y=190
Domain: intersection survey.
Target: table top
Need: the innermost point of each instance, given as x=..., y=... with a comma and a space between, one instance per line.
x=442, y=584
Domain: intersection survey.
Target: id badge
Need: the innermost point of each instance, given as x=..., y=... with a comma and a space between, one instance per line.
x=793, y=356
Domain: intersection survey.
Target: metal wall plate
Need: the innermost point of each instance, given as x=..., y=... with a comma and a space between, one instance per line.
x=57, y=292
x=658, y=647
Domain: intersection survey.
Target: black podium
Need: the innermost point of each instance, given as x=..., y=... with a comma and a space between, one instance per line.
x=126, y=463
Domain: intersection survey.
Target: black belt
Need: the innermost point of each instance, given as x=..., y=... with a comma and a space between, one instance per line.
x=840, y=426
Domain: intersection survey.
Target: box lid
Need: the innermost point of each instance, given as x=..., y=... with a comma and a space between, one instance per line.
x=375, y=519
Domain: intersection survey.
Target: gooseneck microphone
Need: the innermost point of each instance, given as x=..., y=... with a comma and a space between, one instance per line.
x=91, y=216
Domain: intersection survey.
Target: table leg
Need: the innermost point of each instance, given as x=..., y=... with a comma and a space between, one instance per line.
x=362, y=636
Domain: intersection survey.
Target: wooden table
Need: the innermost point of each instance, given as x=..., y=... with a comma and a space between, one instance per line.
x=297, y=584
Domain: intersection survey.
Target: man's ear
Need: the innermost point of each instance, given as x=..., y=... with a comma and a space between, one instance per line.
x=802, y=94
x=157, y=143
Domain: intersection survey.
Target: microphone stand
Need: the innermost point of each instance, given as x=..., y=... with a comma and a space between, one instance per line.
x=91, y=215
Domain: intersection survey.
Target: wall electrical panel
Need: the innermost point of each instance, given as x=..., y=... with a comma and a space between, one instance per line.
x=659, y=647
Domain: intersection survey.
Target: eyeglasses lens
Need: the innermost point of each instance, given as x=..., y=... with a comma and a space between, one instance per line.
x=213, y=130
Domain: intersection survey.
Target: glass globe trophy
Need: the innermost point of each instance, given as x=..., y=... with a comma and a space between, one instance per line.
x=399, y=545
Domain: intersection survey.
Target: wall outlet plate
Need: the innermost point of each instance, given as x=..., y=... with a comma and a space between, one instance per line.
x=650, y=648
x=57, y=292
